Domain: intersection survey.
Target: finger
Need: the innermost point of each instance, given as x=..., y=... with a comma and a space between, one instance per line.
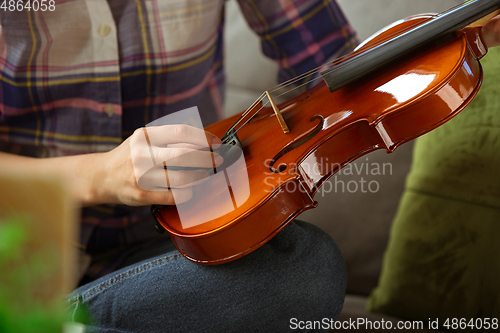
x=170, y=197
x=159, y=178
x=185, y=145
x=161, y=136
x=141, y=154
x=185, y=157
x=144, y=158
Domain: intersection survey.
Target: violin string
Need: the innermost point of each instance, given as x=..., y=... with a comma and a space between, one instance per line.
x=300, y=86
x=246, y=122
x=265, y=104
x=283, y=85
x=330, y=64
x=408, y=30
x=243, y=115
x=259, y=99
x=360, y=53
x=333, y=64
x=297, y=78
x=379, y=42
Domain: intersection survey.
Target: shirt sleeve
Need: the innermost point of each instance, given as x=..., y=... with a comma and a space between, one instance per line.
x=300, y=35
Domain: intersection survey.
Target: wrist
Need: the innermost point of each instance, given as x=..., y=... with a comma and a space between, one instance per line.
x=93, y=186
x=83, y=174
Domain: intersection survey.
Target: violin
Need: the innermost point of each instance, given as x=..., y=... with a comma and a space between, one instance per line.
x=404, y=81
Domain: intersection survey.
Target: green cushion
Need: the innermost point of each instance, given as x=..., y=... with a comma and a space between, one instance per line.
x=443, y=257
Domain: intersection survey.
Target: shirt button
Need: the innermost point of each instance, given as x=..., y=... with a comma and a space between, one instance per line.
x=109, y=109
x=104, y=30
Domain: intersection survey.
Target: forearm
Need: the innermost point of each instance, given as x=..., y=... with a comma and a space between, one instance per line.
x=83, y=174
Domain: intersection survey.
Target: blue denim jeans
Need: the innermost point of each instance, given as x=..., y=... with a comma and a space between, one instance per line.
x=300, y=274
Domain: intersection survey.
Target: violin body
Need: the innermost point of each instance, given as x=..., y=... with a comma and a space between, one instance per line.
x=328, y=130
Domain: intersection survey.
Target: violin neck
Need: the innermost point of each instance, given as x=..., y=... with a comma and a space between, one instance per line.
x=363, y=63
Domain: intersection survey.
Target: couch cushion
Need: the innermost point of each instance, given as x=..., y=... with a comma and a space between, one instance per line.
x=441, y=261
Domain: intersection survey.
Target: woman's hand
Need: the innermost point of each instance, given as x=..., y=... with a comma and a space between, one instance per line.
x=148, y=167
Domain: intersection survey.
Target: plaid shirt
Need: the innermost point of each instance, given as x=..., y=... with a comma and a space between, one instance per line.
x=80, y=79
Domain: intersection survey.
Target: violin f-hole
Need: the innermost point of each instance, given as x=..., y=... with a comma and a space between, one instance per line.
x=295, y=144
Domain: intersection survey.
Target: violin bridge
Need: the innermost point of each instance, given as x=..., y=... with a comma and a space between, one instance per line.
x=279, y=116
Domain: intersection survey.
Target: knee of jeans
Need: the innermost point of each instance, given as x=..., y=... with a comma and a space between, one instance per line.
x=332, y=273
x=320, y=271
